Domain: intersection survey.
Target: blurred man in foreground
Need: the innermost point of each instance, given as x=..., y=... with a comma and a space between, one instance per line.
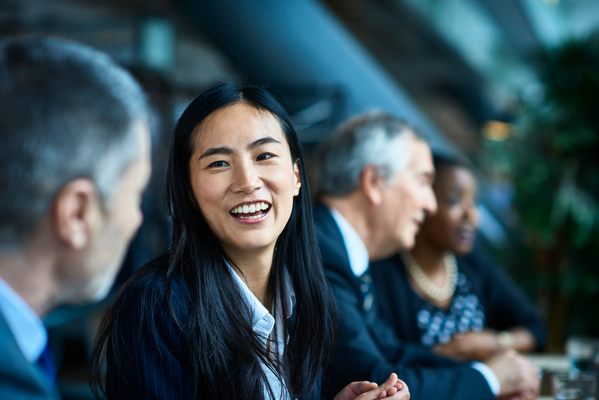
x=74, y=161
x=374, y=182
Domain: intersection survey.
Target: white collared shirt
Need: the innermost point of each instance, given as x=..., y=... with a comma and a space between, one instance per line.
x=359, y=262
x=263, y=323
x=356, y=249
x=25, y=325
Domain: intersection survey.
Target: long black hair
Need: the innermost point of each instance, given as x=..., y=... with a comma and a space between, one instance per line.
x=225, y=355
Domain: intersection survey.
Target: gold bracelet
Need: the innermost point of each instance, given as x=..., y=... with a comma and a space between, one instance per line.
x=506, y=339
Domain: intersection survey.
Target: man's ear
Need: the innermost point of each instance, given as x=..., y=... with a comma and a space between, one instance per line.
x=372, y=184
x=76, y=212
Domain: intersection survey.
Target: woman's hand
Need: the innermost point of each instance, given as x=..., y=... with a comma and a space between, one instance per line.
x=479, y=346
x=392, y=389
x=471, y=345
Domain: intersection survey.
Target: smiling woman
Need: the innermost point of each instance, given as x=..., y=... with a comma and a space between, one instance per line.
x=239, y=307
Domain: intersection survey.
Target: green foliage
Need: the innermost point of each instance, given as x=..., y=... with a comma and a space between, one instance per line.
x=556, y=171
x=552, y=159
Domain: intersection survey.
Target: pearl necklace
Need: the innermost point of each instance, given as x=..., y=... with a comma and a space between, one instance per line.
x=422, y=280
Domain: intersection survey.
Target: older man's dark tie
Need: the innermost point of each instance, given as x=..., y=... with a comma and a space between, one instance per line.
x=46, y=364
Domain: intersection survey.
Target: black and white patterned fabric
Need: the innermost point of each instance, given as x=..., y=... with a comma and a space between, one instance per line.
x=466, y=313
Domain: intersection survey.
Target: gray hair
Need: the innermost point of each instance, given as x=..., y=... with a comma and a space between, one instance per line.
x=66, y=111
x=375, y=138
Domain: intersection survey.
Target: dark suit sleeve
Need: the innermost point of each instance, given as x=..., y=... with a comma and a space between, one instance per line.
x=370, y=351
x=507, y=306
x=154, y=362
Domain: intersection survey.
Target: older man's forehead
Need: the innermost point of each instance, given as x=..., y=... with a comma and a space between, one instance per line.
x=421, y=160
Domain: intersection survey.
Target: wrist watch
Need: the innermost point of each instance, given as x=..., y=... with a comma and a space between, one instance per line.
x=506, y=339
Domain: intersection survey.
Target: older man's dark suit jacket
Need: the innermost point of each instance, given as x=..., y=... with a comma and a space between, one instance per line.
x=366, y=347
x=19, y=380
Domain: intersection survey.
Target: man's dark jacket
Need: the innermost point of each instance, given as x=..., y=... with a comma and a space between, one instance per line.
x=366, y=347
x=19, y=379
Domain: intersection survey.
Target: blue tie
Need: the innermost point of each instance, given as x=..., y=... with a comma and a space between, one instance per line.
x=46, y=363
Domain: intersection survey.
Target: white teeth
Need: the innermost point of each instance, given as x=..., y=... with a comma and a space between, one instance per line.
x=252, y=208
x=251, y=217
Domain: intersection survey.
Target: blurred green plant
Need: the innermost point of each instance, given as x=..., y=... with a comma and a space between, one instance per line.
x=552, y=159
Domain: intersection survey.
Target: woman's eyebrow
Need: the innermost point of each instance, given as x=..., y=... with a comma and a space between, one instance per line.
x=263, y=141
x=227, y=150
x=216, y=150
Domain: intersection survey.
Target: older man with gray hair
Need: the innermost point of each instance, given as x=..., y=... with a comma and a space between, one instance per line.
x=74, y=161
x=373, y=180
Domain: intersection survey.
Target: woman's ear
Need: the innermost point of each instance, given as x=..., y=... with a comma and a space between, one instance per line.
x=297, y=178
x=372, y=184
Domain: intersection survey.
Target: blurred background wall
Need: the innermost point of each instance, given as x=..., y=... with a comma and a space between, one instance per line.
x=509, y=85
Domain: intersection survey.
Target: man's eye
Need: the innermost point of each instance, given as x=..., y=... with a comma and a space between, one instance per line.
x=217, y=164
x=264, y=156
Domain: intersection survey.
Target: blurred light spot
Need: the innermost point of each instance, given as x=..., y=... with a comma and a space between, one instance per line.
x=497, y=130
x=157, y=44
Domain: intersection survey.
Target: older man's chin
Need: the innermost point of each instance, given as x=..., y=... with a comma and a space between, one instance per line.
x=102, y=292
x=410, y=239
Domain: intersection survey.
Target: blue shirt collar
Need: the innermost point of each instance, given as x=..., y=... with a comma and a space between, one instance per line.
x=262, y=321
x=25, y=325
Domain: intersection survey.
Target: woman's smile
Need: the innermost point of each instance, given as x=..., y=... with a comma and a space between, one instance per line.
x=251, y=212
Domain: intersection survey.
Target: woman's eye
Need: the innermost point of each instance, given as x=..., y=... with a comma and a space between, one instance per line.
x=452, y=201
x=217, y=164
x=264, y=156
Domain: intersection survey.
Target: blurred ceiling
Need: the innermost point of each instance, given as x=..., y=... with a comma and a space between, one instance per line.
x=468, y=61
x=463, y=62
x=137, y=33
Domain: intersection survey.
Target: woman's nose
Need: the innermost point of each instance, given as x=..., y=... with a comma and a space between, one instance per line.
x=471, y=213
x=246, y=178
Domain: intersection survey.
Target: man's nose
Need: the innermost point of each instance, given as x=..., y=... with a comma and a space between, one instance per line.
x=430, y=205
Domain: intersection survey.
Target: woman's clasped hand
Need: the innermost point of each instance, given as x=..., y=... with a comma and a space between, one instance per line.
x=392, y=389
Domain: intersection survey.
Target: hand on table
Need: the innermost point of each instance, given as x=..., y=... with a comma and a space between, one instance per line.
x=471, y=345
x=519, y=379
x=392, y=389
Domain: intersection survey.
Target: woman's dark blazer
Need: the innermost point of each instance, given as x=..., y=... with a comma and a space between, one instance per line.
x=504, y=304
x=159, y=365
x=156, y=363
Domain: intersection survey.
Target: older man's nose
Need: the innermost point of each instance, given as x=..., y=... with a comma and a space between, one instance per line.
x=430, y=205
